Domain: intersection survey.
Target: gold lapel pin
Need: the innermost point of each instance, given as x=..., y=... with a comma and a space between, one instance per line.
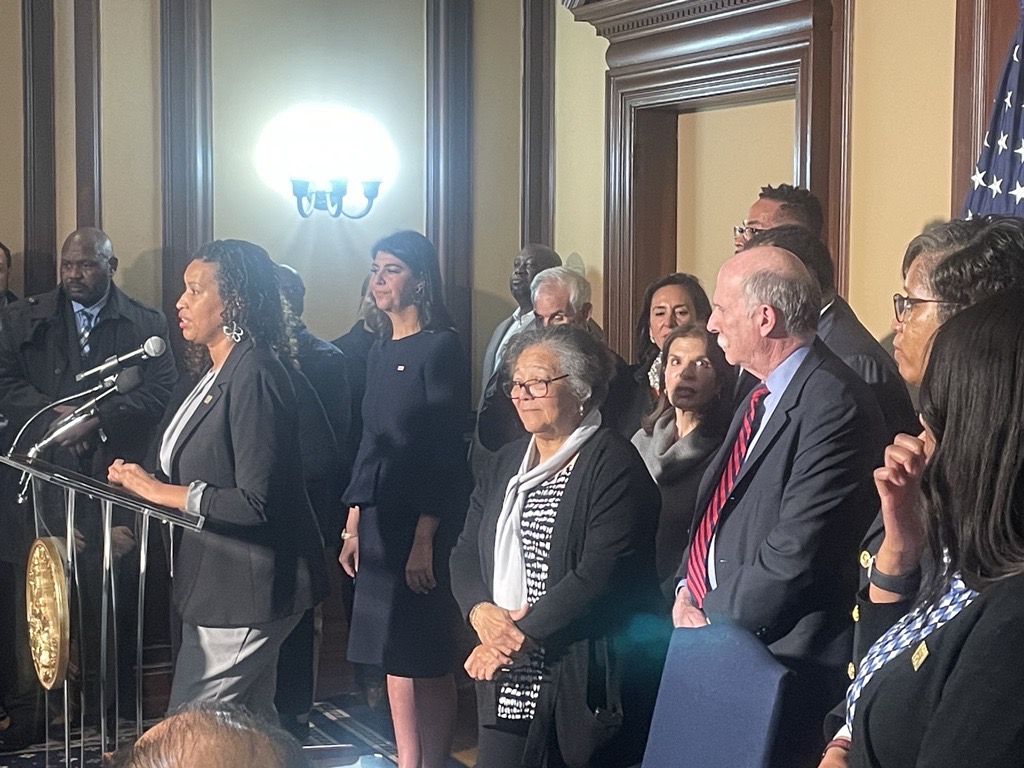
x=207, y=399
x=920, y=654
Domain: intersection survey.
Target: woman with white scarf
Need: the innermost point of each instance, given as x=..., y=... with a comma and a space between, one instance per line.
x=555, y=571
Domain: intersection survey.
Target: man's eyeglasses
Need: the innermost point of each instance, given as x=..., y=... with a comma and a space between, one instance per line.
x=741, y=230
x=901, y=304
x=533, y=387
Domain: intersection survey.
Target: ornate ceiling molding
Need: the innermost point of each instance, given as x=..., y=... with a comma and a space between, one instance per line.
x=622, y=19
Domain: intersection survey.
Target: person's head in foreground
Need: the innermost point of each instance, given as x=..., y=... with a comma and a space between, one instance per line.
x=211, y=735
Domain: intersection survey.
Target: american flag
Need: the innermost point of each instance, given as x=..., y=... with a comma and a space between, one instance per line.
x=997, y=184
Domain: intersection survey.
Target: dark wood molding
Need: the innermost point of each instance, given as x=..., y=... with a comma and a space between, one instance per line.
x=449, y=28
x=186, y=141
x=668, y=57
x=840, y=155
x=984, y=29
x=87, y=113
x=40, y=163
x=538, y=187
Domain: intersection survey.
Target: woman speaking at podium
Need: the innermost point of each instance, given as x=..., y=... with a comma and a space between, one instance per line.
x=231, y=453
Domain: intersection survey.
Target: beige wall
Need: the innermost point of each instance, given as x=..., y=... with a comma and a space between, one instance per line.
x=267, y=56
x=902, y=138
x=65, y=198
x=130, y=142
x=725, y=156
x=12, y=146
x=579, y=148
x=495, y=165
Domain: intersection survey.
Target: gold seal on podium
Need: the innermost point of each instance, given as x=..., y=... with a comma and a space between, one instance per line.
x=46, y=596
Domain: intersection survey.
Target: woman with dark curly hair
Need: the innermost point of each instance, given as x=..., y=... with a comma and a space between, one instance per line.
x=408, y=497
x=231, y=452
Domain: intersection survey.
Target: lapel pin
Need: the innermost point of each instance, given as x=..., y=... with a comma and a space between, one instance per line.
x=920, y=654
x=401, y=368
x=207, y=399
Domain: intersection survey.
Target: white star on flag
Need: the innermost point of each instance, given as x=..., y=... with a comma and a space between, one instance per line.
x=1016, y=52
x=985, y=141
x=1008, y=101
x=978, y=178
x=996, y=186
x=1002, y=142
x=1017, y=192
x=969, y=216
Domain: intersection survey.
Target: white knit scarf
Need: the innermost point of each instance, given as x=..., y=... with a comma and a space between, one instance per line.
x=509, y=584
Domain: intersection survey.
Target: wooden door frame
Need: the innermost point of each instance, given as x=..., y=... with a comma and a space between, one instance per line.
x=682, y=54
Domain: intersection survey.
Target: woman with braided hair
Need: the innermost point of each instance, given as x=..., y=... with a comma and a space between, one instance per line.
x=231, y=452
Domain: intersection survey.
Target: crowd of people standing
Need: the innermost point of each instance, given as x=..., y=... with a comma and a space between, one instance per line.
x=761, y=462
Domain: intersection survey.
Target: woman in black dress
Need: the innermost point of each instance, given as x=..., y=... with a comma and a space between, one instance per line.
x=408, y=496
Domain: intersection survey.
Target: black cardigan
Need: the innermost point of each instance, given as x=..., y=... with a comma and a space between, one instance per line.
x=600, y=621
x=963, y=705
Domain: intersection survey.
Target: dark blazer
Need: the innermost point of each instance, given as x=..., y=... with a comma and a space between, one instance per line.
x=482, y=448
x=845, y=335
x=601, y=577
x=787, y=538
x=258, y=557
x=964, y=704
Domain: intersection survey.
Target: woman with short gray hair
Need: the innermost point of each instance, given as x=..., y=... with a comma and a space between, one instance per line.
x=554, y=566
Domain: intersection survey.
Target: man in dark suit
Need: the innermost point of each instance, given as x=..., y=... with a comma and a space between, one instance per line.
x=784, y=503
x=46, y=340
x=326, y=369
x=843, y=333
x=533, y=259
x=776, y=207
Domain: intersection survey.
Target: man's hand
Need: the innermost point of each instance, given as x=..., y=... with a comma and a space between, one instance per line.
x=685, y=613
x=122, y=540
x=75, y=439
x=484, y=662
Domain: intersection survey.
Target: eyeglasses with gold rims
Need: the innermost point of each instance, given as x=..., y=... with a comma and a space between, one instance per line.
x=901, y=304
x=745, y=232
x=532, y=388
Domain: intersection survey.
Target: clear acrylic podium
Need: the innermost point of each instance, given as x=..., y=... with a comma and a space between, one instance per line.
x=61, y=592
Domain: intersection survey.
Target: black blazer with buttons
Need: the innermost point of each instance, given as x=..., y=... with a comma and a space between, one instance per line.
x=258, y=557
x=786, y=542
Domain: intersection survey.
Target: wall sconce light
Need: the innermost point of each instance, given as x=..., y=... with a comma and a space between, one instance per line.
x=329, y=196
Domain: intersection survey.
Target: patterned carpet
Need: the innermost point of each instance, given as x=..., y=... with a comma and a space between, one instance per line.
x=345, y=720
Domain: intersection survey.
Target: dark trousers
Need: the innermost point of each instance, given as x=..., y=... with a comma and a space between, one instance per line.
x=22, y=695
x=503, y=746
x=294, y=697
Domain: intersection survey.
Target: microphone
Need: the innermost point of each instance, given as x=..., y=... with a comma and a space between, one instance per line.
x=124, y=382
x=107, y=383
x=154, y=346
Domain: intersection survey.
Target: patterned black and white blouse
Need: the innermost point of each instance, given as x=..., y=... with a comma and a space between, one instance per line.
x=517, y=696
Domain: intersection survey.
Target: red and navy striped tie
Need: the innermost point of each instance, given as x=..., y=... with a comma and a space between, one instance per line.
x=697, y=565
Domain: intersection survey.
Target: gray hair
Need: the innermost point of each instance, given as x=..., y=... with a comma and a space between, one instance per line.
x=795, y=295
x=565, y=277
x=586, y=361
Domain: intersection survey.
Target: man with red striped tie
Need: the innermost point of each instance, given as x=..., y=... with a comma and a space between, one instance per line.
x=783, y=505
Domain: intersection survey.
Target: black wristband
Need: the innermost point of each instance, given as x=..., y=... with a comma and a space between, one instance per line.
x=906, y=585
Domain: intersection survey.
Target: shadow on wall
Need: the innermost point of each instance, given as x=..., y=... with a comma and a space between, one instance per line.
x=140, y=277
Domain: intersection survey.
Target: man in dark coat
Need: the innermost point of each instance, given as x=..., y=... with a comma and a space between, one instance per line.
x=44, y=342
x=782, y=506
x=326, y=369
x=6, y=295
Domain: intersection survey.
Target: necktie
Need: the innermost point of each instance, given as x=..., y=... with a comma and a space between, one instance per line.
x=697, y=565
x=84, y=329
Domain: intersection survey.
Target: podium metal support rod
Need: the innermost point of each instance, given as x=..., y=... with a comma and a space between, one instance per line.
x=139, y=636
x=104, y=620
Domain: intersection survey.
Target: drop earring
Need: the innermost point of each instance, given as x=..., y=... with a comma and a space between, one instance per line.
x=234, y=331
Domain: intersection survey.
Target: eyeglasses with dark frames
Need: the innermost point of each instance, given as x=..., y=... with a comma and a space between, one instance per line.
x=742, y=230
x=901, y=304
x=533, y=387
